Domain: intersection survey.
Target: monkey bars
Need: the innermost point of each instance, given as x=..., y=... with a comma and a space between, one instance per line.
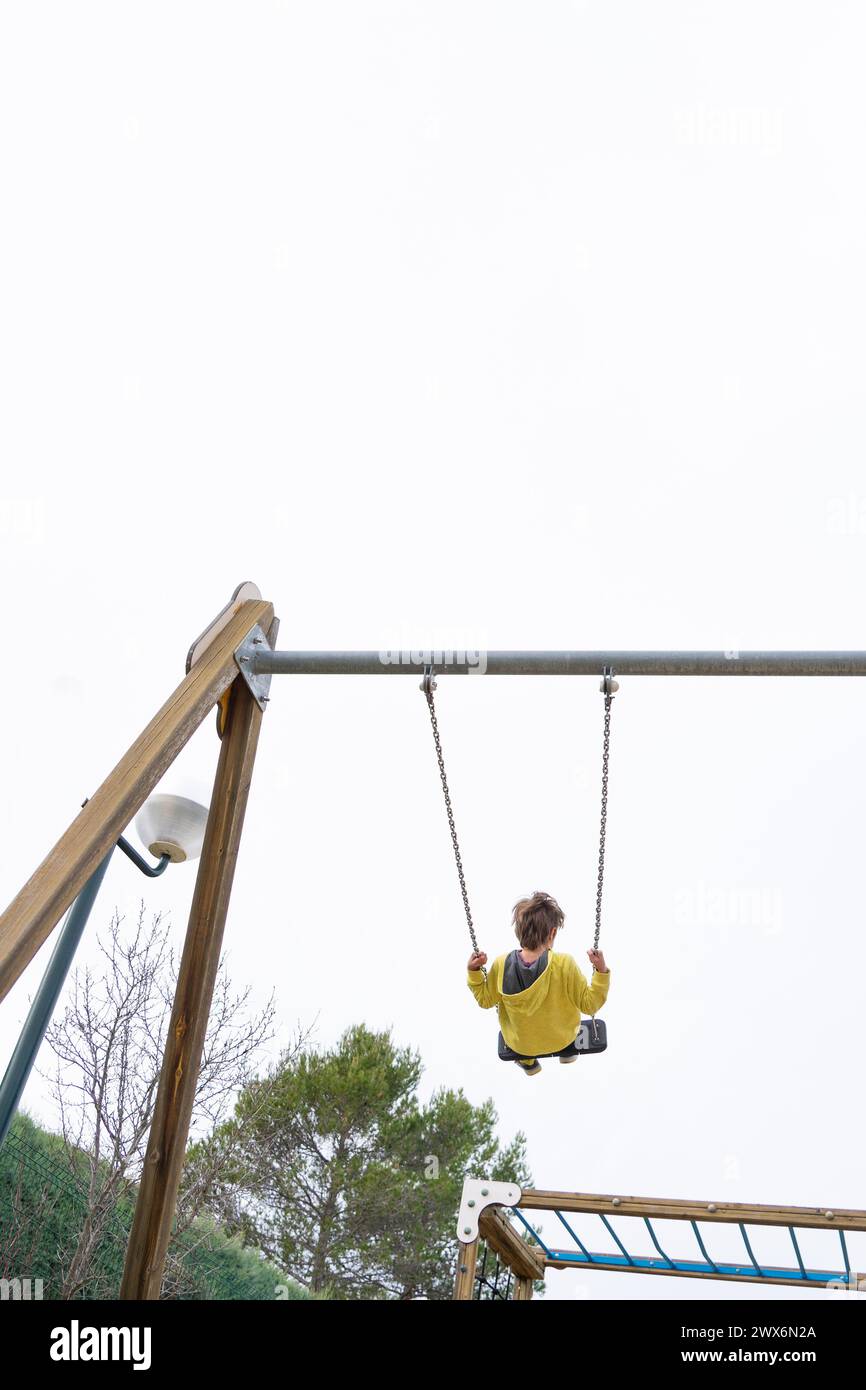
x=526, y=1256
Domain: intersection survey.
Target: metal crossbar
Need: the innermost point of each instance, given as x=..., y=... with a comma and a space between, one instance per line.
x=656, y=1244
x=575, y=1237
x=613, y=1233
x=744, y=1234
x=519, y=1214
x=557, y=663
x=845, y=1254
x=793, y=1234
x=703, y=1248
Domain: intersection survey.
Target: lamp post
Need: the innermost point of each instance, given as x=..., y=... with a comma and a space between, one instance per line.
x=172, y=828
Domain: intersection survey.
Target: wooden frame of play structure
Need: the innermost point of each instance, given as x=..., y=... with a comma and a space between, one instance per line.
x=521, y=1258
x=230, y=667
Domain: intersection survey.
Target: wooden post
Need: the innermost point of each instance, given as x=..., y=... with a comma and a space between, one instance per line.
x=524, y=1260
x=33, y=914
x=464, y=1282
x=522, y=1289
x=154, y=1212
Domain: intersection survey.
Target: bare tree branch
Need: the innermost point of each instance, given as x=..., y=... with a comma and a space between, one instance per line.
x=108, y=1046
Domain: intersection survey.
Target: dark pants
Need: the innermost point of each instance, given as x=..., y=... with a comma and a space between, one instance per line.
x=506, y=1054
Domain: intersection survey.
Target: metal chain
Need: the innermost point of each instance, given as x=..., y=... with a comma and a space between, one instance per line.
x=428, y=685
x=608, y=687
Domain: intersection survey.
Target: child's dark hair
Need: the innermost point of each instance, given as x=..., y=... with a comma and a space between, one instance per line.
x=535, y=918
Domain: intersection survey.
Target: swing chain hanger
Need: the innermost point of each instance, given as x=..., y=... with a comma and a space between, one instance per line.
x=608, y=686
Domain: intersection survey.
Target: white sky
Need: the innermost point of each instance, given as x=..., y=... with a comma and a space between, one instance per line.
x=489, y=324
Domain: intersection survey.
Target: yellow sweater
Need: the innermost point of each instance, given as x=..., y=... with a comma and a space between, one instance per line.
x=546, y=1016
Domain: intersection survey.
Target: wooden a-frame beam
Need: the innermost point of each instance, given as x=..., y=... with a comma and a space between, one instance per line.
x=33, y=914
x=169, y=1131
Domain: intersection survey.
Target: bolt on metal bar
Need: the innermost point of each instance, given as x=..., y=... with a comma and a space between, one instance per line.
x=559, y=663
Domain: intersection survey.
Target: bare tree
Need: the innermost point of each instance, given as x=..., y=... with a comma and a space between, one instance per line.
x=108, y=1048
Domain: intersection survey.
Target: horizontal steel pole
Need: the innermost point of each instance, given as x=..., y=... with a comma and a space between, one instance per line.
x=541, y=663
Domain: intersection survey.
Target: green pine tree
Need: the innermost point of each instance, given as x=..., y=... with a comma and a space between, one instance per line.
x=345, y=1179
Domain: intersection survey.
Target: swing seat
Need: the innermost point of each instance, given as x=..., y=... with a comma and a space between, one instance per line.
x=591, y=1037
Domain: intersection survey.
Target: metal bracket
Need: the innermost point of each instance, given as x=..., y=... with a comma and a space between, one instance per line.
x=478, y=1194
x=608, y=685
x=259, y=682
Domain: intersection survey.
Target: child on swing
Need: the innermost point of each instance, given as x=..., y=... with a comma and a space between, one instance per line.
x=540, y=995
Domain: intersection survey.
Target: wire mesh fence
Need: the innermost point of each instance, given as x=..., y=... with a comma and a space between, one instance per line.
x=68, y=1245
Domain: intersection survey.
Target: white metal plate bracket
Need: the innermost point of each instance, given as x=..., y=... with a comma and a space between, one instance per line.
x=259, y=683
x=478, y=1194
